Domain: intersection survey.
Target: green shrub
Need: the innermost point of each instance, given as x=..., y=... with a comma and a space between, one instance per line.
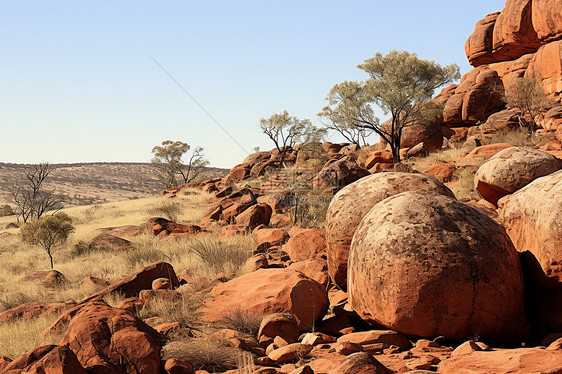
x=47, y=232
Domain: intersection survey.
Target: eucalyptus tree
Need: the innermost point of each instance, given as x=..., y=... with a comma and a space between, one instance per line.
x=399, y=83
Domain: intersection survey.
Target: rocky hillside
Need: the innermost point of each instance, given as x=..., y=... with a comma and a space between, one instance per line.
x=449, y=262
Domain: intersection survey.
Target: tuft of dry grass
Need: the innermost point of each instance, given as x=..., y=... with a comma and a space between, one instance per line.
x=243, y=321
x=464, y=186
x=226, y=256
x=184, y=311
x=203, y=354
x=19, y=337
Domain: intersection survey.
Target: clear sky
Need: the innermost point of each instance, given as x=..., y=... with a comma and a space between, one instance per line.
x=77, y=83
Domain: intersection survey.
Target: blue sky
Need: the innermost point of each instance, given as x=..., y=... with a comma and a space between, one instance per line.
x=77, y=84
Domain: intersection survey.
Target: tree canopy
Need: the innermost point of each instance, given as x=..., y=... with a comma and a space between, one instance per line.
x=286, y=131
x=47, y=232
x=399, y=83
x=168, y=160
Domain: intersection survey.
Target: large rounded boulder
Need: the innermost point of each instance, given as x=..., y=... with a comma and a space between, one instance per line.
x=532, y=217
x=427, y=265
x=511, y=169
x=350, y=205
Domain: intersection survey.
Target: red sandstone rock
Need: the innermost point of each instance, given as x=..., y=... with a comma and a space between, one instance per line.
x=409, y=245
x=315, y=268
x=478, y=46
x=127, y=287
x=509, y=70
x=240, y=172
x=547, y=22
x=513, y=34
x=28, y=359
x=289, y=353
x=360, y=363
x=60, y=360
x=546, y=67
x=268, y=237
x=523, y=360
x=443, y=172
x=386, y=337
x=511, y=169
x=486, y=151
x=308, y=244
x=337, y=174
x=254, y=216
x=103, y=336
x=177, y=366
x=268, y=291
x=384, y=157
x=532, y=216
x=479, y=95
x=350, y=205
x=285, y=325
x=501, y=121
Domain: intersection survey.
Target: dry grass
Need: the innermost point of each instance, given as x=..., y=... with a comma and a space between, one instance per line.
x=240, y=320
x=203, y=354
x=463, y=188
x=520, y=138
x=227, y=257
x=19, y=259
x=184, y=311
x=19, y=337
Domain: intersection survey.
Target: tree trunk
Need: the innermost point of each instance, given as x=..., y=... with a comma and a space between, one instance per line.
x=50, y=257
x=395, y=148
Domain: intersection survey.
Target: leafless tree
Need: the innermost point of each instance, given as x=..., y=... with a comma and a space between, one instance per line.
x=31, y=198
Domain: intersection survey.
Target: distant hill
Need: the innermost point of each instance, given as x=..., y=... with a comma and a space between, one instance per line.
x=93, y=183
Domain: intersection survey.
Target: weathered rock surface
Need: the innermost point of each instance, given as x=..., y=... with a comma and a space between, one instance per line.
x=478, y=46
x=307, y=244
x=546, y=68
x=268, y=291
x=337, y=174
x=409, y=245
x=105, y=338
x=522, y=360
x=350, y=205
x=511, y=169
x=479, y=95
x=360, y=363
x=532, y=219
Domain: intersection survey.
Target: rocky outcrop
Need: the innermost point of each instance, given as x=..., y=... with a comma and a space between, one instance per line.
x=351, y=204
x=512, y=169
x=478, y=46
x=479, y=94
x=532, y=219
x=409, y=245
x=522, y=40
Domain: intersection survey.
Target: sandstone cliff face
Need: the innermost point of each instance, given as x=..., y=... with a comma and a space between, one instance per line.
x=521, y=40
